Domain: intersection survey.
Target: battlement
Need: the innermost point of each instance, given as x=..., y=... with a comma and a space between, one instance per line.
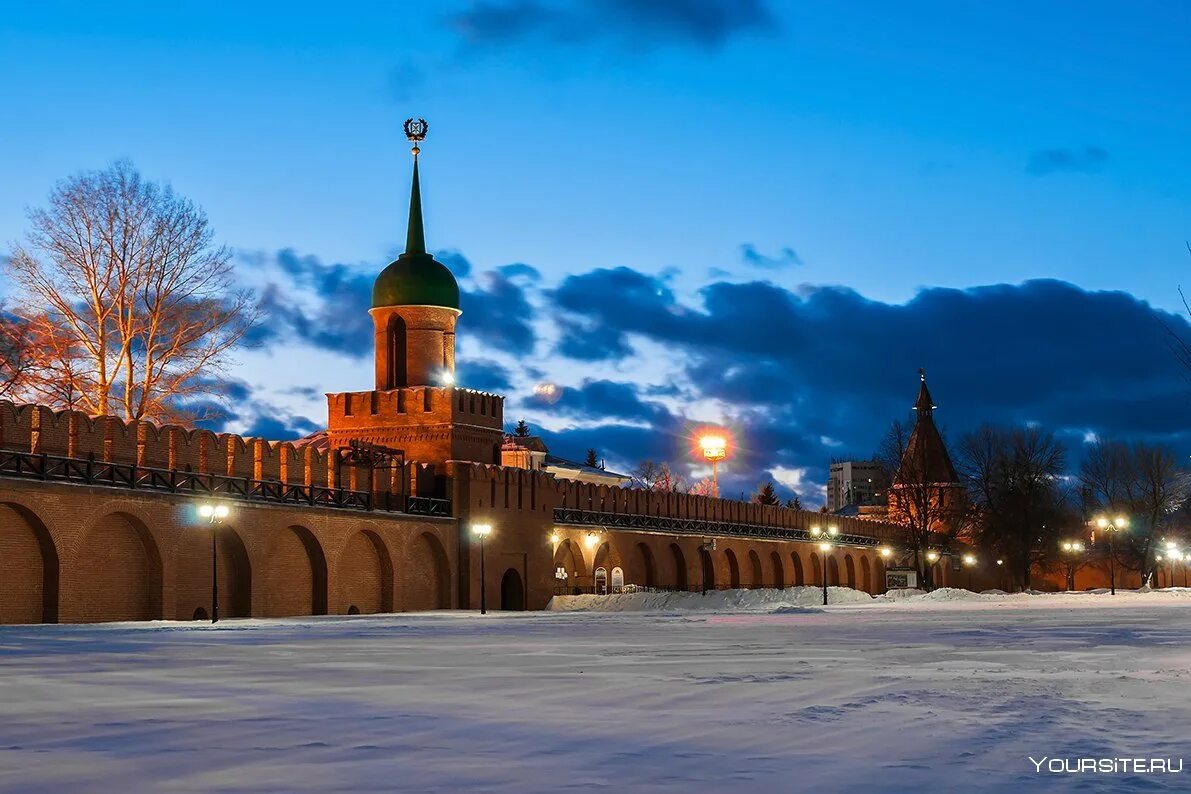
x=636, y=501
x=422, y=404
x=40, y=430
x=504, y=487
x=428, y=423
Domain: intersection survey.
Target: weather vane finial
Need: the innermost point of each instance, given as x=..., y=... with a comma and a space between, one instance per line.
x=415, y=130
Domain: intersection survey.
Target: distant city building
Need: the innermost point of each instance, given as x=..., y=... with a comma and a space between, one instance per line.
x=855, y=483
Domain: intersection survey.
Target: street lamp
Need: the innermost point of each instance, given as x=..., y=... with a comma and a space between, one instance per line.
x=214, y=513
x=714, y=447
x=932, y=557
x=482, y=531
x=1071, y=550
x=969, y=563
x=1112, y=526
x=825, y=547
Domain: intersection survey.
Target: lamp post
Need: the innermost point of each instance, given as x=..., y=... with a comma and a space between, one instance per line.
x=482, y=531
x=1000, y=577
x=825, y=546
x=932, y=557
x=1112, y=526
x=714, y=448
x=1071, y=550
x=969, y=563
x=1172, y=555
x=214, y=513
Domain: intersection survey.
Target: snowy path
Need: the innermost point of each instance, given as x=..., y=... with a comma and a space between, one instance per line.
x=890, y=696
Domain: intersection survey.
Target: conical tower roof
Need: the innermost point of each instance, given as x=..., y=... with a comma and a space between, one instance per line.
x=926, y=460
x=415, y=278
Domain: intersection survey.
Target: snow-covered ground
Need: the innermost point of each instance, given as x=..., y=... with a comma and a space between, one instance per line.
x=944, y=692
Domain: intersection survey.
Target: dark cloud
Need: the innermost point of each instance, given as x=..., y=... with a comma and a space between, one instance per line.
x=520, y=270
x=785, y=257
x=457, y=263
x=281, y=428
x=1087, y=160
x=604, y=399
x=704, y=23
x=483, y=375
x=498, y=314
x=825, y=364
x=326, y=305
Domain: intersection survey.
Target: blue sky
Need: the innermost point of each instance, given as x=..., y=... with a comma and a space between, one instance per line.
x=822, y=163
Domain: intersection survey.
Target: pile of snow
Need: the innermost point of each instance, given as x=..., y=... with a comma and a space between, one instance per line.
x=903, y=593
x=760, y=600
x=956, y=594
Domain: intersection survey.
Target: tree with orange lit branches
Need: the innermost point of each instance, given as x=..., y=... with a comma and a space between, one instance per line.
x=135, y=302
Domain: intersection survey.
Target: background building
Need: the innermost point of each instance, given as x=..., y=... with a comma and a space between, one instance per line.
x=859, y=483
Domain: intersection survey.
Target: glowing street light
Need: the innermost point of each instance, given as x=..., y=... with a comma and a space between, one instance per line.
x=824, y=547
x=1112, y=526
x=969, y=563
x=714, y=447
x=482, y=531
x=1071, y=550
x=215, y=513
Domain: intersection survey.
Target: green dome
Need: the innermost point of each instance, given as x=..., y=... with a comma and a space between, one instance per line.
x=415, y=280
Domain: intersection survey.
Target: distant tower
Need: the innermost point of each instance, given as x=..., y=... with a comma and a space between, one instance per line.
x=926, y=479
x=416, y=407
x=415, y=302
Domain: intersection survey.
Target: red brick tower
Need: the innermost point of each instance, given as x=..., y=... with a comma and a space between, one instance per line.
x=415, y=405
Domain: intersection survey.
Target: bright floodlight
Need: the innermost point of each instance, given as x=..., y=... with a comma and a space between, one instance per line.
x=554, y=538
x=969, y=559
x=1000, y=562
x=824, y=547
x=886, y=551
x=1171, y=545
x=591, y=539
x=932, y=555
x=714, y=447
x=482, y=530
x=833, y=531
x=206, y=511
x=221, y=511
x=816, y=531
x=1102, y=522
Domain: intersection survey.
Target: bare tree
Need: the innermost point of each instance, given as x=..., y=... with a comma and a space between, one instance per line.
x=1144, y=482
x=16, y=354
x=1018, y=509
x=124, y=278
x=658, y=477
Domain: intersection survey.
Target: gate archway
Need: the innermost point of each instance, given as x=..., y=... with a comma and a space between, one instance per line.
x=680, y=582
x=779, y=576
x=117, y=575
x=512, y=592
x=27, y=557
x=796, y=561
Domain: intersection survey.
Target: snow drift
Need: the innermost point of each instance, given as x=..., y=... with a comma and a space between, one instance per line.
x=759, y=600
